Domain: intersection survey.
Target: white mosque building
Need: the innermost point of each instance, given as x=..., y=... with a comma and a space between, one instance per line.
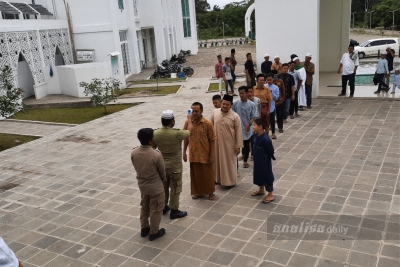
x=35, y=40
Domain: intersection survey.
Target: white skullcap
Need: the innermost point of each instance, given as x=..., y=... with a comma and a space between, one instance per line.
x=384, y=53
x=167, y=114
x=296, y=58
x=276, y=56
x=266, y=55
x=308, y=55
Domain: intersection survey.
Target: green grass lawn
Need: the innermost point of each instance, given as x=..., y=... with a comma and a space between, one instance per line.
x=69, y=115
x=215, y=87
x=170, y=80
x=162, y=90
x=11, y=140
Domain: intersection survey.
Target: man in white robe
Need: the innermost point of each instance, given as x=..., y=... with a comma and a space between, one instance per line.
x=301, y=85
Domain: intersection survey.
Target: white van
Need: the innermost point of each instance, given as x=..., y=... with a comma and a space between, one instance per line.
x=371, y=47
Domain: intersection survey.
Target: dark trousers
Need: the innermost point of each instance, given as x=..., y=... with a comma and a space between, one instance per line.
x=233, y=76
x=279, y=115
x=227, y=84
x=294, y=105
x=348, y=78
x=287, y=103
x=246, y=150
x=309, y=94
x=252, y=142
x=272, y=121
x=381, y=84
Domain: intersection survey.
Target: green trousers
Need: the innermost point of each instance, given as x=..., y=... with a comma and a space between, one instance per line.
x=173, y=188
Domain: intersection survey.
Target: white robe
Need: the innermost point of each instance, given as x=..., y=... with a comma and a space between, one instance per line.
x=301, y=73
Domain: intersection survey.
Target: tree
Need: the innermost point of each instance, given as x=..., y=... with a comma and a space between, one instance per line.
x=201, y=6
x=102, y=91
x=10, y=96
x=382, y=15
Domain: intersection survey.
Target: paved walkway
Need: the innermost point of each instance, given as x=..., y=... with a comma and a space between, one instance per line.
x=29, y=128
x=77, y=203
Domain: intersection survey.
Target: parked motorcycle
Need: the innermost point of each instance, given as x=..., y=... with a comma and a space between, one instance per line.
x=188, y=71
x=185, y=52
x=160, y=72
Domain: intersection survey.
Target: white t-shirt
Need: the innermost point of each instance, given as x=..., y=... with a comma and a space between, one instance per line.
x=7, y=257
x=348, y=64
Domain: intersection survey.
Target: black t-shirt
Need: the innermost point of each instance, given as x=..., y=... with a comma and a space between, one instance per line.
x=288, y=81
x=389, y=59
x=249, y=66
x=266, y=67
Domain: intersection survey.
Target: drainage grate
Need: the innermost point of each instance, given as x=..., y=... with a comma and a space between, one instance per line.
x=8, y=186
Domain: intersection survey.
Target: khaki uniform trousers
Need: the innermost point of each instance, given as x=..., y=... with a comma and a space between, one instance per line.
x=152, y=206
x=174, y=182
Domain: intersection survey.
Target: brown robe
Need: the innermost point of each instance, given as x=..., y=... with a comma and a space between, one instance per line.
x=227, y=127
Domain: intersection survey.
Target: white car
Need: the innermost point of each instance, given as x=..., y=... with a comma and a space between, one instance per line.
x=371, y=47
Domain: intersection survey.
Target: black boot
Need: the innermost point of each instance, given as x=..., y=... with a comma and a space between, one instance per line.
x=144, y=232
x=166, y=209
x=175, y=214
x=160, y=233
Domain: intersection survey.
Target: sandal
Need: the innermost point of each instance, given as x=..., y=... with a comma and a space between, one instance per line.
x=292, y=117
x=257, y=193
x=241, y=158
x=252, y=158
x=246, y=165
x=273, y=136
x=196, y=197
x=211, y=197
x=265, y=201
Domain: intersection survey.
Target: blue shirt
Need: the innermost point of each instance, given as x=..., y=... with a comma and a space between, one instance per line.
x=382, y=66
x=246, y=111
x=275, y=95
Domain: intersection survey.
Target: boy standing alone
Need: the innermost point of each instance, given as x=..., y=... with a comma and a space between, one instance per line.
x=150, y=174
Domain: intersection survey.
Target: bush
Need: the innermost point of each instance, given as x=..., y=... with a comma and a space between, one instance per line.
x=10, y=96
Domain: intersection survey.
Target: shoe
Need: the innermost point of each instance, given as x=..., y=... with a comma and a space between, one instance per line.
x=273, y=136
x=377, y=92
x=350, y=95
x=166, y=209
x=309, y=107
x=285, y=121
x=340, y=94
x=392, y=92
x=301, y=109
x=292, y=117
x=280, y=130
x=144, y=232
x=175, y=214
x=160, y=233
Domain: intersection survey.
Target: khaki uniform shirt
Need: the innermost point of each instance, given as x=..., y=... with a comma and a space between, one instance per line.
x=169, y=142
x=150, y=170
x=311, y=68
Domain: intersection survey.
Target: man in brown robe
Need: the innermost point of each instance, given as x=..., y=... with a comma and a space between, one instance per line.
x=201, y=154
x=227, y=127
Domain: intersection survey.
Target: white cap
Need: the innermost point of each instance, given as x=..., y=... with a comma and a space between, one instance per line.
x=276, y=56
x=308, y=55
x=296, y=58
x=266, y=55
x=384, y=53
x=167, y=114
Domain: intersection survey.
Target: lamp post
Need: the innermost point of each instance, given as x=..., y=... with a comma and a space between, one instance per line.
x=393, y=19
x=223, y=31
x=370, y=16
x=353, y=17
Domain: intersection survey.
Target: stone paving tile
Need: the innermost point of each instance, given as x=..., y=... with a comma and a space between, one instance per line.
x=78, y=203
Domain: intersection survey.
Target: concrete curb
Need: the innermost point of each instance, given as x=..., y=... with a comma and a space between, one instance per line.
x=359, y=98
x=42, y=122
x=34, y=135
x=180, y=88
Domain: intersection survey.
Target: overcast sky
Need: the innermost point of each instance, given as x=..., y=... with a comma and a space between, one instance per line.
x=220, y=3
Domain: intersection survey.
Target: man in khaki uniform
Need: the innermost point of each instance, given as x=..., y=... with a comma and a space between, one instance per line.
x=150, y=174
x=169, y=142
